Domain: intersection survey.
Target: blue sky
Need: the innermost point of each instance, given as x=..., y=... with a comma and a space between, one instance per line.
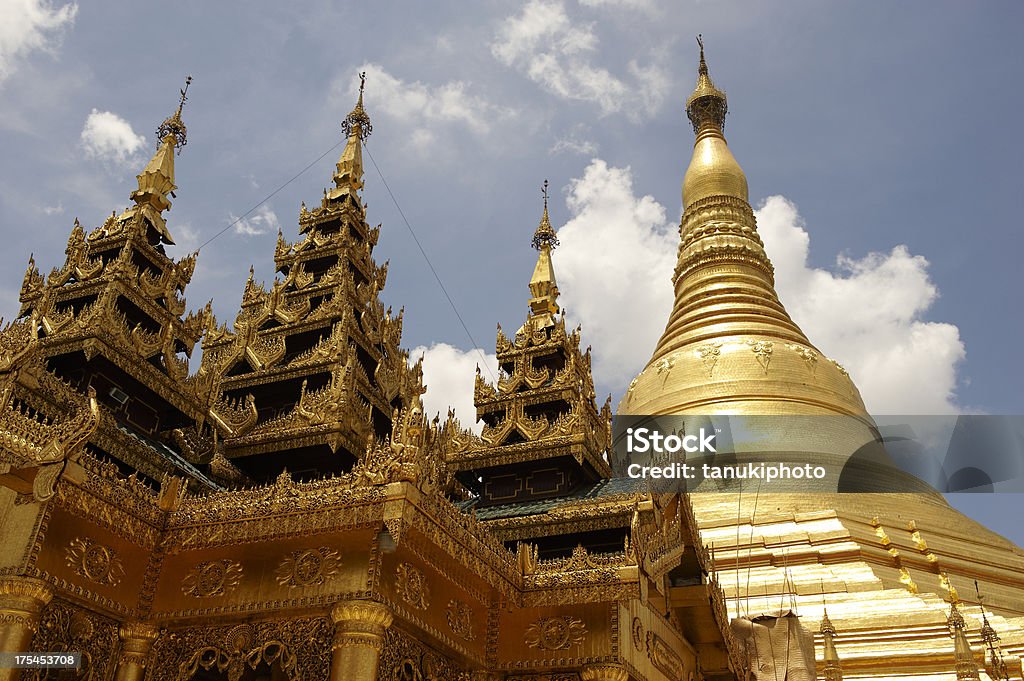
x=881, y=142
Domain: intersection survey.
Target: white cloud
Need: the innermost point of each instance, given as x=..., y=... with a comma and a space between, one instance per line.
x=614, y=268
x=575, y=142
x=186, y=238
x=553, y=51
x=451, y=103
x=260, y=221
x=868, y=314
x=615, y=264
x=108, y=137
x=27, y=26
x=449, y=374
x=53, y=210
x=646, y=5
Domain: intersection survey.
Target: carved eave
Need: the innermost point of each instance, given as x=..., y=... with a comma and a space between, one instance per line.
x=542, y=341
x=32, y=437
x=113, y=346
x=570, y=517
x=578, y=447
x=345, y=212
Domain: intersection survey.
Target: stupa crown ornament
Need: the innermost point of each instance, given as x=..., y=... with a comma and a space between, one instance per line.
x=173, y=125
x=348, y=177
x=543, y=286
x=358, y=121
x=707, y=105
x=545, y=234
x=156, y=181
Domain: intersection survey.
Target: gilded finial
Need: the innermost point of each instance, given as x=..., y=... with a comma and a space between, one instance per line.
x=174, y=125
x=545, y=234
x=991, y=639
x=833, y=667
x=707, y=104
x=358, y=122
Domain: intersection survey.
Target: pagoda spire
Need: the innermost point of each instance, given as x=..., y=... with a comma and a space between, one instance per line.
x=544, y=303
x=713, y=170
x=833, y=669
x=156, y=181
x=966, y=667
x=998, y=668
x=348, y=178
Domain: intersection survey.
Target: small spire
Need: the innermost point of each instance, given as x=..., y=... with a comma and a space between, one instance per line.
x=156, y=181
x=999, y=669
x=348, y=178
x=358, y=122
x=544, y=303
x=966, y=667
x=708, y=105
x=174, y=125
x=545, y=234
x=833, y=668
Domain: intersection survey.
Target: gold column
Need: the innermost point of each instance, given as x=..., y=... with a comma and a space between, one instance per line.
x=22, y=599
x=136, y=640
x=604, y=672
x=359, y=628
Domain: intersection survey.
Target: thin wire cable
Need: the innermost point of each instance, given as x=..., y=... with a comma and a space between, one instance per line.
x=476, y=346
x=269, y=196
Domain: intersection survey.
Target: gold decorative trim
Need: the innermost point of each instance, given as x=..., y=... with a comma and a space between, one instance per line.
x=212, y=578
x=460, y=619
x=94, y=561
x=555, y=633
x=412, y=585
x=308, y=567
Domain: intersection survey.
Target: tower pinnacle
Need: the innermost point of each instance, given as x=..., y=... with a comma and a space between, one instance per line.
x=708, y=105
x=357, y=127
x=833, y=667
x=966, y=667
x=543, y=286
x=156, y=181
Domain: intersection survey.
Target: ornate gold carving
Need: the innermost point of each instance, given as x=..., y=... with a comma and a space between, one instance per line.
x=663, y=657
x=212, y=578
x=136, y=641
x=412, y=585
x=300, y=649
x=762, y=350
x=405, y=659
x=555, y=633
x=309, y=567
x=94, y=561
x=66, y=628
x=460, y=619
x=605, y=672
x=709, y=354
x=638, y=634
x=810, y=357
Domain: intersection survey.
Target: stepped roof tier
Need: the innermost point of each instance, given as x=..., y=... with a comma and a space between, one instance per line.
x=112, y=319
x=543, y=434
x=312, y=367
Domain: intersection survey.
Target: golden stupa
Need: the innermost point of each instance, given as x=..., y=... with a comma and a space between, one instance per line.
x=885, y=567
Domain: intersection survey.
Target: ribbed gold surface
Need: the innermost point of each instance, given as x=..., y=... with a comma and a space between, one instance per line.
x=729, y=346
x=882, y=563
